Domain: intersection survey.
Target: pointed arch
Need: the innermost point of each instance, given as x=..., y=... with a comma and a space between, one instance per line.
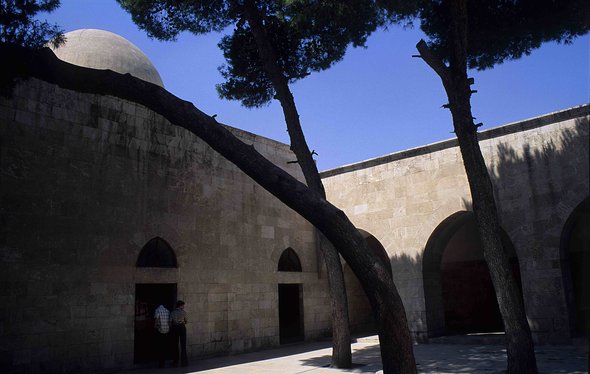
x=289, y=261
x=157, y=253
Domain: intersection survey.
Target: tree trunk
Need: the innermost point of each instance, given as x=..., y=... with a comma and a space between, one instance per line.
x=341, y=351
x=396, y=344
x=520, y=348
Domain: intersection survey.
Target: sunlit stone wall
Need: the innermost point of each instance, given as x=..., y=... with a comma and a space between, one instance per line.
x=539, y=169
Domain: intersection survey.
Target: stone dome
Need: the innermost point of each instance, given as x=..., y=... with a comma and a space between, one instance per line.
x=100, y=49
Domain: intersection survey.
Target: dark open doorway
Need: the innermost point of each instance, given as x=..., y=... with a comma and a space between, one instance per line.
x=458, y=290
x=290, y=313
x=468, y=294
x=147, y=298
x=575, y=252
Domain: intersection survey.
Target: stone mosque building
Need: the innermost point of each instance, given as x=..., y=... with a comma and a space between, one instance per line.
x=107, y=210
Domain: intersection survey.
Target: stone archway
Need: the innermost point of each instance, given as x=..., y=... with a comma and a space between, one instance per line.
x=458, y=291
x=575, y=256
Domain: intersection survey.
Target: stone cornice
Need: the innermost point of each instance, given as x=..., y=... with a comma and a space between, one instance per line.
x=511, y=128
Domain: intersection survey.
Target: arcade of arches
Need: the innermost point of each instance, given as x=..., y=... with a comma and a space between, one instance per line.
x=458, y=292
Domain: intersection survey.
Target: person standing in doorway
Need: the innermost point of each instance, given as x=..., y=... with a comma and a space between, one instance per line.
x=162, y=327
x=178, y=329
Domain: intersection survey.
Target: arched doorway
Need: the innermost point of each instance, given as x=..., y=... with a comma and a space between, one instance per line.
x=360, y=313
x=458, y=290
x=156, y=253
x=290, y=300
x=575, y=254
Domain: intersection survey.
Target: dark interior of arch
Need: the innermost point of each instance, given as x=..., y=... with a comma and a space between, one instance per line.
x=459, y=294
x=289, y=261
x=575, y=264
x=157, y=253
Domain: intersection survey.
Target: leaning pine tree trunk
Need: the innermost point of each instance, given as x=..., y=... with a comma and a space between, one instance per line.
x=341, y=350
x=519, y=342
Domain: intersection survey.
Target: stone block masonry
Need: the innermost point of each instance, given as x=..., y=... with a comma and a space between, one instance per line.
x=539, y=169
x=86, y=182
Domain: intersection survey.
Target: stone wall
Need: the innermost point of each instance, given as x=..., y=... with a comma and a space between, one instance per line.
x=86, y=182
x=539, y=169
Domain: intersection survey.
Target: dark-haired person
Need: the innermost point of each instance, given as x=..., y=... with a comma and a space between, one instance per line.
x=178, y=331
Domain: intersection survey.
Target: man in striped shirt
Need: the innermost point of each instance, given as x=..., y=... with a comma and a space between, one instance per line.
x=162, y=326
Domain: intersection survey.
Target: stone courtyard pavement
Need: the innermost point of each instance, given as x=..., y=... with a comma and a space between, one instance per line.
x=314, y=358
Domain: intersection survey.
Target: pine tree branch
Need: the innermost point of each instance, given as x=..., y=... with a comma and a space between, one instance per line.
x=434, y=62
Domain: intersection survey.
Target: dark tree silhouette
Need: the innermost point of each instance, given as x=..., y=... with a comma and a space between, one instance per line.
x=18, y=25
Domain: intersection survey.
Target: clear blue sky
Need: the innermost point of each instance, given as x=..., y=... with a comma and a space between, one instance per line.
x=377, y=101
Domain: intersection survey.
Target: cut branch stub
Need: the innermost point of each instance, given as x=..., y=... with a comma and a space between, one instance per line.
x=435, y=62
